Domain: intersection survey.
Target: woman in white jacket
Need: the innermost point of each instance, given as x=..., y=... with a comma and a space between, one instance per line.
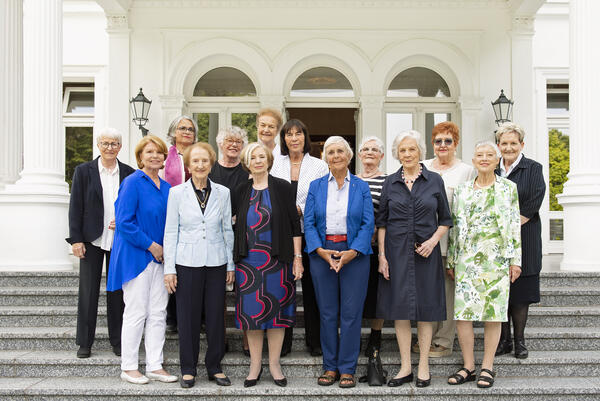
x=198, y=247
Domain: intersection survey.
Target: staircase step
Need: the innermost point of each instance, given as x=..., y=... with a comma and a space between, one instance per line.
x=296, y=364
x=305, y=389
x=63, y=338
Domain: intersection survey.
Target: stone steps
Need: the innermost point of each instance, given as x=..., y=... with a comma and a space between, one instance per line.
x=297, y=364
x=63, y=338
x=105, y=388
x=65, y=316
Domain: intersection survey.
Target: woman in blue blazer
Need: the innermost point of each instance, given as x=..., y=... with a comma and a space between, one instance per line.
x=338, y=226
x=198, y=247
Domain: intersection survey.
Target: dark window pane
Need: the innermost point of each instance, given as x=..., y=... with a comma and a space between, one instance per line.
x=81, y=103
x=418, y=82
x=556, y=230
x=322, y=82
x=224, y=81
x=246, y=121
x=208, y=128
x=557, y=103
x=78, y=149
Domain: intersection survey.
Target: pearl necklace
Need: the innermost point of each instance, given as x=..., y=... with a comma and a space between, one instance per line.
x=408, y=181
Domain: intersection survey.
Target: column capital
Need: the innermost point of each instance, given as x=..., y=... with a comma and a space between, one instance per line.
x=117, y=23
x=522, y=26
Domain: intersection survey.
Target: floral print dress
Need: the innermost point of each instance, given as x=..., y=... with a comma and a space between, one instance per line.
x=484, y=242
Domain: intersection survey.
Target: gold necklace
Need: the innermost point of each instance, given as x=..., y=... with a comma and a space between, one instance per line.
x=202, y=202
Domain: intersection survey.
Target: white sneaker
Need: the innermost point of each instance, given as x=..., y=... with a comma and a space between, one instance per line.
x=162, y=378
x=135, y=380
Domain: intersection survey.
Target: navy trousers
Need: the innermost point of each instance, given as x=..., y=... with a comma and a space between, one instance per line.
x=340, y=297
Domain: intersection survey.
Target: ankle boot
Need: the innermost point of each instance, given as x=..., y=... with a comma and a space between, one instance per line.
x=521, y=351
x=374, y=342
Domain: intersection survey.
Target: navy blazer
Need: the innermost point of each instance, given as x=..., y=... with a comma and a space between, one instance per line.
x=86, y=207
x=359, y=221
x=531, y=188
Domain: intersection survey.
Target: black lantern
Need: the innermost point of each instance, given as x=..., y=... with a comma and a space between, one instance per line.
x=503, y=108
x=140, y=106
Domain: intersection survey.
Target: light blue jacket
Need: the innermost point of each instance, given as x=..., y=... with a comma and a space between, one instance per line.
x=194, y=239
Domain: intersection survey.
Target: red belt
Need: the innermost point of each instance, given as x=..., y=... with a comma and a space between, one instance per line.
x=337, y=238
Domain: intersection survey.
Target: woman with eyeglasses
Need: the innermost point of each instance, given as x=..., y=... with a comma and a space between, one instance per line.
x=182, y=133
x=444, y=138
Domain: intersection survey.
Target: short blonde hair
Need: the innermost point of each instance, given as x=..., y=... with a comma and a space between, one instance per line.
x=247, y=154
x=416, y=135
x=271, y=113
x=509, y=127
x=139, y=148
x=337, y=139
x=199, y=145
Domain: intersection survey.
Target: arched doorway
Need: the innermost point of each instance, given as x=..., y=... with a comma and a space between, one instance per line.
x=417, y=98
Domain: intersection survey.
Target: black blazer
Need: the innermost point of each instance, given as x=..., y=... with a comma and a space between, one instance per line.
x=531, y=188
x=285, y=220
x=86, y=207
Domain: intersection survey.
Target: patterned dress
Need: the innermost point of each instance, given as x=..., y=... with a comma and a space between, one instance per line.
x=265, y=289
x=484, y=242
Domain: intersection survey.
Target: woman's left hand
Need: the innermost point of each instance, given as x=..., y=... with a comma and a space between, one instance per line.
x=230, y=278
x=515, y=272
x=297, y=268
x=427, y=247
x=345, y=258
x=171, y=282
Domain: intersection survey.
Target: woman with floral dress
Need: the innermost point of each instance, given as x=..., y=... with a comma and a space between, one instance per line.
x=484, y=256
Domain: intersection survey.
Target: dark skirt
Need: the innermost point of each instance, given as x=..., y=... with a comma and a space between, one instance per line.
x=370, y=309
x=525, y=290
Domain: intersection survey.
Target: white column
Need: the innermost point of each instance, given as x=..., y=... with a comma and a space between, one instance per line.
x=371, y=123
x=11, y=91
x=470, y=133
x=522, y=88
x=118, y=113
x=581, y=194
x=33, y=211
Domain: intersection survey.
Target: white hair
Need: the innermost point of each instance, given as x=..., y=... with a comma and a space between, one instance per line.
x=337, y=139
x=109, y=132
x=377, y=141
x=508, y=128
x=175, y=123
x=416, y=135
x=232, y=132
x=491, y=144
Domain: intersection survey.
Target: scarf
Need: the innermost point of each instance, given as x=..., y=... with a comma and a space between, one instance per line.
x=173, y=167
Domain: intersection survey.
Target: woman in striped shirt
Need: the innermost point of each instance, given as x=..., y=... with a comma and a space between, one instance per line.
x=370, y=154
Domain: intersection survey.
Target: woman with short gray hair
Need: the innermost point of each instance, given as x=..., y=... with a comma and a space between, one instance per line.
x=413, y=217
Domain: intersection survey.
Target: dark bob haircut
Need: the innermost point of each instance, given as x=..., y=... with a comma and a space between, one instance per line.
x=299, y=125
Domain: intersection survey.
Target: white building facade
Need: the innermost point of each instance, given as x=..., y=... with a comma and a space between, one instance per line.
x=352, y=68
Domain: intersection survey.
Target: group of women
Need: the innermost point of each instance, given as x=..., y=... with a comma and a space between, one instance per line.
x=265, y=215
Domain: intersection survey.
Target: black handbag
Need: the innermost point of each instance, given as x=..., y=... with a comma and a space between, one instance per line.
x=376, y=376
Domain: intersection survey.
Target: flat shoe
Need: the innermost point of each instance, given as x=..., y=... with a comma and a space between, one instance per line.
x=280, y=382
x=460, y=379
x=400, y=380
x=221, y=381
x=135, y=380
x=185, y=383
x=521, y=351
x=488, y=380
x=84, y=352
x=161, y=378
x=423, y=383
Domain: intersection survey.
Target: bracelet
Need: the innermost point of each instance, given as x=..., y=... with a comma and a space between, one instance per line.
x=381, y=254
x=298, y=255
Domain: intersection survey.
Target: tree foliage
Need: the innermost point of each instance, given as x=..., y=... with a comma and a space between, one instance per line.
x=78, y=149
x=559, y=165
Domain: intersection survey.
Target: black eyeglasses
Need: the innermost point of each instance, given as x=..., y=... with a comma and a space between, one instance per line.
x=446, y=141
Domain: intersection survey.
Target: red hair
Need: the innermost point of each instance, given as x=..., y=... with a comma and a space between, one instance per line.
x=447, y=127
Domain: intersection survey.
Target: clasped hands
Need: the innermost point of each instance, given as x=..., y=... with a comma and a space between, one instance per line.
x=336, y=259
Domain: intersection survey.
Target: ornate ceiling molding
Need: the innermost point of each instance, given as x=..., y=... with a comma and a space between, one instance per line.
x=116, y=22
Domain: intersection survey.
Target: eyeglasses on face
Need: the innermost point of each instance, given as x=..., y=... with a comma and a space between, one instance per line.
x=230, y=141
x=112, y=145
x=446, y=141
x=188, y=129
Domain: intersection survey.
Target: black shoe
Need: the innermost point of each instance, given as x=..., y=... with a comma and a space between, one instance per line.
x=171, y=328
x=423, y=383
x=221, y=381
x=504, y=347
x=316, y=351
x=400, y=381
x=521, y=351
x=280, y=382
x=226, y=348
x=187, y=383
x=252, y=382
x=84, y=352
x=116, y=350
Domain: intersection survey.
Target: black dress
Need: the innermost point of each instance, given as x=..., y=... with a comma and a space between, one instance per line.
x=415, y=290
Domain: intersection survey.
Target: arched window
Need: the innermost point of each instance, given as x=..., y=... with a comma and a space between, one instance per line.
x=322, y=82
x=224, y=81
x=418, y=82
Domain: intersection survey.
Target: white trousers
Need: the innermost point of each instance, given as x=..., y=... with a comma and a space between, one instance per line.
x=145, y=300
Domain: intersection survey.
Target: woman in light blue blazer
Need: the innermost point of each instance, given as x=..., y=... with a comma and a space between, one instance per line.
x=338, y=226
x=198, y=246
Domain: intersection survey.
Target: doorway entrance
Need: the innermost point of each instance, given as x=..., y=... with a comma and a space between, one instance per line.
x=325, y=122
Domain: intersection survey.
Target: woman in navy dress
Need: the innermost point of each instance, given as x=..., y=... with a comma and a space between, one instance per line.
x=268, y=257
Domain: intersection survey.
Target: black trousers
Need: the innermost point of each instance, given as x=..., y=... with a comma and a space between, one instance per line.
x=312, y=319
x=90, y=274
x=201, y=291
x=172, y=310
